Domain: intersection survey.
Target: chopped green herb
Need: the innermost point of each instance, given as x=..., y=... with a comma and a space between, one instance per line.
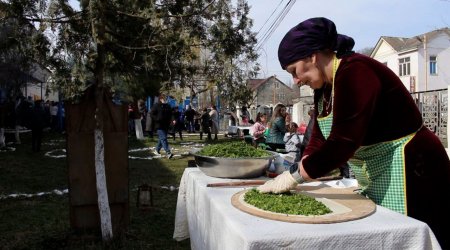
x=286, y=203
x=235, y=149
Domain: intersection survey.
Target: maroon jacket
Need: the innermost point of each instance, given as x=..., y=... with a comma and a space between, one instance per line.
x=372, y=105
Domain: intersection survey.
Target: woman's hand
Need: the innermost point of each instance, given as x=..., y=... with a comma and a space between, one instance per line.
x=281, y=184
x=302, y=170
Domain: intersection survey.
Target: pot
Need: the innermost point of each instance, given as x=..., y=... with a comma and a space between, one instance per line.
x=234, y=168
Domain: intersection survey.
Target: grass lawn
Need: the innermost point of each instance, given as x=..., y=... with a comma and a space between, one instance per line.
x=42, y=222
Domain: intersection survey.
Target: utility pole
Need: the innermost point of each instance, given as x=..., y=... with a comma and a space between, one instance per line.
x=274, y=90
x=426, y=61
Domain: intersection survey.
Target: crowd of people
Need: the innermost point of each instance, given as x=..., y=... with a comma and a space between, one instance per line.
x=281, y=134
x=276, y=132
x=167, y=121
x=23, y=114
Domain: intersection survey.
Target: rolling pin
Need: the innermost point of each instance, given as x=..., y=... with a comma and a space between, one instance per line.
x=261, y=182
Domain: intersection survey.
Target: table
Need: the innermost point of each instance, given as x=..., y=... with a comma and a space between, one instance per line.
x=13, y=131
x=243, y=130
x=207, y=217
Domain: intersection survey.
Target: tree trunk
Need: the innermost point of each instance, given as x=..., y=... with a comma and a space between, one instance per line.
x=2, y=138
x=98, y=30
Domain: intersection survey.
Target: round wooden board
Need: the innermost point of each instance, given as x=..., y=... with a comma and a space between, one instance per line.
x=345, y=204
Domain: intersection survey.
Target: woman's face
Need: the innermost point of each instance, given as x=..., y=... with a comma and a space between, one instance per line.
x=305, y=72
x=283, y=112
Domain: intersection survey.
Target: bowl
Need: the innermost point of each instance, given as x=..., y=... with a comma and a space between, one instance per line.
x=234, y=168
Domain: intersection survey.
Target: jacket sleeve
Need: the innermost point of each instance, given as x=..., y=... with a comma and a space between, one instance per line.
x=258, y=129
x=286, y=137
x=356, y=93
x=280, y=125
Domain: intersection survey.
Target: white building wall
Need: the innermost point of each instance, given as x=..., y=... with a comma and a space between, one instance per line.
x=386, y=54
x=419, y=67
x=416, y=71
x=305, y=90
x=414, y=60
x=297, y=113
x=439, y=47
x=40, y=92
x=443, y=68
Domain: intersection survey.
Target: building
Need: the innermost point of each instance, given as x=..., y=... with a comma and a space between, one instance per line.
x=17, y=70
x=421, y=62
x=270, y=91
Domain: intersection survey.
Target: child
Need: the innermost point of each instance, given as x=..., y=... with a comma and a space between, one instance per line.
x=258, y=129
x=293, y=141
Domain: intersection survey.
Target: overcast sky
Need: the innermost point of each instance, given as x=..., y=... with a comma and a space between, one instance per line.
x=364, y=20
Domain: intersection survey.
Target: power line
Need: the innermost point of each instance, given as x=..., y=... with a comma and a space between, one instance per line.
x=269, y=17
x=276, y=23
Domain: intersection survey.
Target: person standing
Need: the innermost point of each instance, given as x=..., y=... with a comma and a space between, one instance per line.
x=139, y=111
x=54, y=115
x=37, y=124
x=245, y=116
x=23, y=109
x=177, y=123
x=149, y=125
x=131, y=115
x=190, y=114
x=162, y=118
x=205, y=121
x=404, y=166
x=143, y=115
x=234, y=121
x=214, y=121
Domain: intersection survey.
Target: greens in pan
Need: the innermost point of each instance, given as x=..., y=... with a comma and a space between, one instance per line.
x=236, y=149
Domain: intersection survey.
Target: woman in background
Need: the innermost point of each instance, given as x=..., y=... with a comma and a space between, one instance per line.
x=277, y=128
x=258, y=129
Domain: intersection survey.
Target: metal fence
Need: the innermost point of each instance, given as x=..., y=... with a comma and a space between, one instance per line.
x=433, y=106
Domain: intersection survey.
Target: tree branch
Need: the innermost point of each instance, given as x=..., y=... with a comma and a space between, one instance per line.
x=55, y=20
x=175, y=16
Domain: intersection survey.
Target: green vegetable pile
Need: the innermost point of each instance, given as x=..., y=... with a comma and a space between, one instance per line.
x=236, y=149
x=287, y=203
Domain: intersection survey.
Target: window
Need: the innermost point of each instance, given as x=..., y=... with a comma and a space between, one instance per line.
x=277, y=85
x=404, y=66
x=433, y=65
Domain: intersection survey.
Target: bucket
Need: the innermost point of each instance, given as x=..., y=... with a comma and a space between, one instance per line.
x=282, y=162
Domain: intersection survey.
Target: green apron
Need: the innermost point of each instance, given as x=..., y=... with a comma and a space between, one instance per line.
x=379, y=168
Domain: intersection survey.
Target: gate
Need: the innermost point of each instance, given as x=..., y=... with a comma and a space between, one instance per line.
x=433, y=106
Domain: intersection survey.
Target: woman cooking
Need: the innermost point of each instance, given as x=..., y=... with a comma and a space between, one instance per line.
x=403, y=167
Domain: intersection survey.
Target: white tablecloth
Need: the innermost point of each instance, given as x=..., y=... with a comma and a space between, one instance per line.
x=207, y=217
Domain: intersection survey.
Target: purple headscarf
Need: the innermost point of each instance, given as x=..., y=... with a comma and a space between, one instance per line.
x=312, y=35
